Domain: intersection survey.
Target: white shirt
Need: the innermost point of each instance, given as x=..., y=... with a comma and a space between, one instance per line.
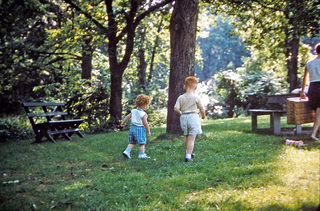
x=188, y=103
x=136, y=116
x=313, y=67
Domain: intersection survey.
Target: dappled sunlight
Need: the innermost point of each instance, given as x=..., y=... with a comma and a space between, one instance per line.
x=78, y=185
x=292, y=163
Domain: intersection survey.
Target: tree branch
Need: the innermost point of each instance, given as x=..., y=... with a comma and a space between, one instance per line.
x=97, y=23
x=142, y=16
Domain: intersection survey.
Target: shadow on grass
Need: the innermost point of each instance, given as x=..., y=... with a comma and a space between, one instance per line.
x=91, y=173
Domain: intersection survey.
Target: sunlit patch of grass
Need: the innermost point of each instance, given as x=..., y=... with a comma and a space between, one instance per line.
x=295, y=186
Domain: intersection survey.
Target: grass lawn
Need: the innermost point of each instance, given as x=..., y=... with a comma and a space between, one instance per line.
x=233, y=170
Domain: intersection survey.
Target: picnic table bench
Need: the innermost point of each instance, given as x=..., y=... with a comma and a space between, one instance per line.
x=275, y=114
x=49, y=120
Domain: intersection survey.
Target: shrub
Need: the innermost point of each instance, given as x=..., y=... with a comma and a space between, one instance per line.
x=15, y=128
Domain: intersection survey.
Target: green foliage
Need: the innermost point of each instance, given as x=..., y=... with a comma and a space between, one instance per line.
x=219, y=49
x=240, y=89
x=83, y=100
x=233, y=170
x=15, y=128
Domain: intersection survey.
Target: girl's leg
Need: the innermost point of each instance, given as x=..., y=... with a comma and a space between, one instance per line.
x=127, y=152
x=316, y=125
x=130, y=146
x=142, y=148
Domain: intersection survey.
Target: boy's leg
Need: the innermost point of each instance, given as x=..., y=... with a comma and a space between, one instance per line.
x=190, y=145
x=186, y=142
x=186, y=146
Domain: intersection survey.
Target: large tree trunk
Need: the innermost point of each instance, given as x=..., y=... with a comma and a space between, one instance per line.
x=116, y=97
x=183, y=27
x=142, y=67
x=292, y=50
x=86, y=63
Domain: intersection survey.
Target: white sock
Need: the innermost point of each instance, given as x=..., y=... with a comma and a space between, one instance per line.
x=188, y=156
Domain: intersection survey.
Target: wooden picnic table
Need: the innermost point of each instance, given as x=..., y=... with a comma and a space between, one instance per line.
x=275, y=115
x=49, y=121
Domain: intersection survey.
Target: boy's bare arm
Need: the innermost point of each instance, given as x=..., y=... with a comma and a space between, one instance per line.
x=178, y=111
x=202, y=113
x=123, y=123
x=146, y=124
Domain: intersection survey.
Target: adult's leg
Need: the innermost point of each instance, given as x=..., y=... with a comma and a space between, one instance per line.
x=316, y=125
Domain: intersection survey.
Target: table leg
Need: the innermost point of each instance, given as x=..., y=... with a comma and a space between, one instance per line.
x=254, y=123
x=275, y=123
x=298, y=129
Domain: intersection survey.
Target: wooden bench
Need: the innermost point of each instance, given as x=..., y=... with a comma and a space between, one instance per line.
x=275, y=114
x=49, y=120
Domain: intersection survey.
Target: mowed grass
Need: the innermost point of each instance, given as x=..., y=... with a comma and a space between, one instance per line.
x=234, y=169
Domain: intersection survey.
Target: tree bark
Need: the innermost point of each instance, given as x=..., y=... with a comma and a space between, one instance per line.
x=86, y=63
x=155, y=46
x=183, y=27
x=142, y=67
x=292, y=50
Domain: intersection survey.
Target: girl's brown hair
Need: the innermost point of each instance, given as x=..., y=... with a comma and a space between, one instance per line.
x=142, y=100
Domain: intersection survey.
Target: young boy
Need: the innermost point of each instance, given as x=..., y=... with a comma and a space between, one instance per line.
x=137, y=133
x=188, y=106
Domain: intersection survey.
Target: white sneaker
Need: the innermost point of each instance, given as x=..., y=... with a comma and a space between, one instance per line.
x=126, y=155
x=143, y=156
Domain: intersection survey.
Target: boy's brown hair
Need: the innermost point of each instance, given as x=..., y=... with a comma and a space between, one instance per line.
x=191, y=82
x=142, y=100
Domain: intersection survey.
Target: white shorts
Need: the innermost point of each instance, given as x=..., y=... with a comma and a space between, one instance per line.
x=190, y=124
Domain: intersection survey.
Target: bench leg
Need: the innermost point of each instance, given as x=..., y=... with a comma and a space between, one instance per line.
x=66, y=136
x=298, y=129
x=254, y=123
x=79, y=134
x=275, y=123
x=49, y=138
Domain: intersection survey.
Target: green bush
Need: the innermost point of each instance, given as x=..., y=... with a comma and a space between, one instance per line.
x=15, y=128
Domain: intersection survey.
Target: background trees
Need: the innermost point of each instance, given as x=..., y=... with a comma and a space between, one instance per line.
x=278, y=25
x=98, y=55
x=118, y=24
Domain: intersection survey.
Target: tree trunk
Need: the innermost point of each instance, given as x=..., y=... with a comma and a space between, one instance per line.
x=292, y=50
x=115, y=98
x=86, y=63
x=142, y=67
x=183, y=27
x=155, y=46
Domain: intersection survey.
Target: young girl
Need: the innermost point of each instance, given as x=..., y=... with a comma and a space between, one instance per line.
x=137, y=133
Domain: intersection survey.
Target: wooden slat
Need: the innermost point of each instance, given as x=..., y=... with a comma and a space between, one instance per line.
x=63, y=131
x=280, y=98
x=66, y=121
x=42, y=104
x=47, y=114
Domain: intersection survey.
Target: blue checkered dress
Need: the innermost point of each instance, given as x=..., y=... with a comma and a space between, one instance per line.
x=137, y=135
